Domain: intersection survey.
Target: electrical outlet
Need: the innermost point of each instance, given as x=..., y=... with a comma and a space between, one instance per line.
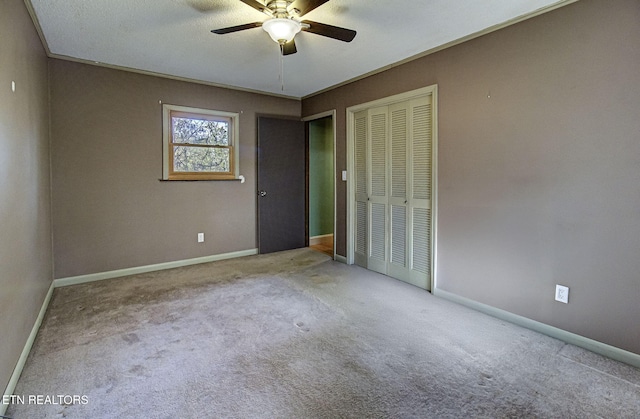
x=200, y=237
x=562, y=294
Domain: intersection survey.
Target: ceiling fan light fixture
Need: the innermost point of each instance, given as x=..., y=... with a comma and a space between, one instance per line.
x=281, y=30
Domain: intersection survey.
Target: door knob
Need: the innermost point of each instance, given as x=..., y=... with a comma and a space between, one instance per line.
x=262, y=193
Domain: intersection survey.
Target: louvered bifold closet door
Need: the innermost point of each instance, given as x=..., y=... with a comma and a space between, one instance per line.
x=361, y=186
x=398, y=266
x=393, y=183
x=378, y=191
x=420, y=195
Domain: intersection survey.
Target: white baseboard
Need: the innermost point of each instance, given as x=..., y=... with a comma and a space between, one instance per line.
x=340, y=258
x=17, y=371
x=324, y=238
x=568, y=337
x=81, y=279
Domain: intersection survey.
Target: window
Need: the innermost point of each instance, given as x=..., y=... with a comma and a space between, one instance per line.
x=199, y=144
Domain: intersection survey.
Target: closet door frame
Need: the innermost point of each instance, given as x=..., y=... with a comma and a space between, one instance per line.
x=351, y=191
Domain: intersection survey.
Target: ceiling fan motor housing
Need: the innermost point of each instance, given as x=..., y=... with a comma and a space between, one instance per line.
x=279, y=8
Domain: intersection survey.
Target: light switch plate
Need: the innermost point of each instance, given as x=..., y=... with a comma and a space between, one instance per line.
x=344, y=175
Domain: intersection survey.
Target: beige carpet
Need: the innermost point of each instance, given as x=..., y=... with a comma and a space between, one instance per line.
x=296, y=335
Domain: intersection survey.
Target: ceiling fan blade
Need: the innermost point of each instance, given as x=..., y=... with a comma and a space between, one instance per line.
x=237, y=28
x=305, y=6
x=255, y=4
x=335, y=32
x=289, y=48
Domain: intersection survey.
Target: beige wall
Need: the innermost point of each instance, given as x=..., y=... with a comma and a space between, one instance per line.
x=539, y=184
x=110, y=211
x=25, y=231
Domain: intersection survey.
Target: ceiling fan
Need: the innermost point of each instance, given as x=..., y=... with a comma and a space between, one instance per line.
x=283, y=23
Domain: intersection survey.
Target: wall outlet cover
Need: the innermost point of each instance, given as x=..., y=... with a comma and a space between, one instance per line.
x=562, y=294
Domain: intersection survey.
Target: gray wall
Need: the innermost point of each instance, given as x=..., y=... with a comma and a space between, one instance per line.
x=539, y=165
x=110, y=211
x=25, y=230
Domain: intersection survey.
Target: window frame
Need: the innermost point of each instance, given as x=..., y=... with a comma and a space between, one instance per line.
x=168, y=112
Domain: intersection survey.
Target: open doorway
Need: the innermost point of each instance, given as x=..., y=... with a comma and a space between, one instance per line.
x=321, y=182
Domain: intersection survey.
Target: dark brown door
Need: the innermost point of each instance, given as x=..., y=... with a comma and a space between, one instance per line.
x=281, y=184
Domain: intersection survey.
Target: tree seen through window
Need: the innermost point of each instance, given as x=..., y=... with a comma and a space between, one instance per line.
x=200, y=138
x=199, y=144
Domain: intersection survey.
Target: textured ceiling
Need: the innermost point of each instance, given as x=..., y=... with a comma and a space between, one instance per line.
x=172, y=37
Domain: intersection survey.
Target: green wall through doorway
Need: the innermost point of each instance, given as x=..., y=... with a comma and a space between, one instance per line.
x=321, y=177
